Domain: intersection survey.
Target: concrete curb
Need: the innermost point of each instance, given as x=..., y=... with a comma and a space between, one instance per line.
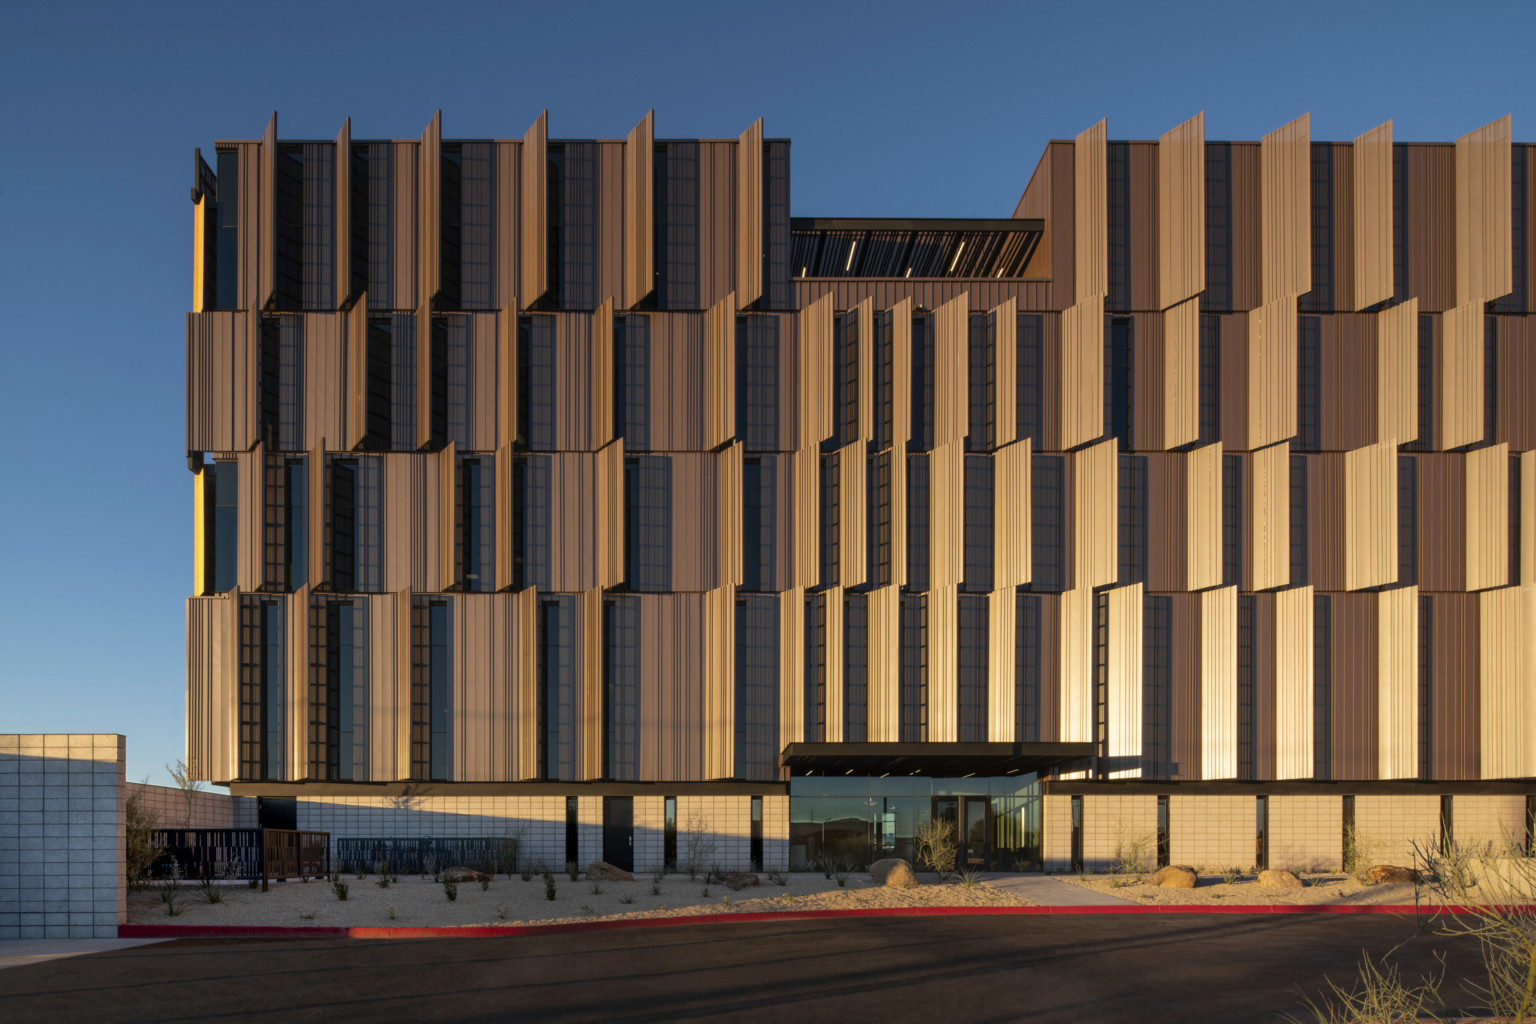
x=194, y=931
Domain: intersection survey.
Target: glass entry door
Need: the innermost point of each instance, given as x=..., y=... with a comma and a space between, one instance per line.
x=975, y=830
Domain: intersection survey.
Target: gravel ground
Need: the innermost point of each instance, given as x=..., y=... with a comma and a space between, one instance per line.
x=414, y=902
x=1324, y=888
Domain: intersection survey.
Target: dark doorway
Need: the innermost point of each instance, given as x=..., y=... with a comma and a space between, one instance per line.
x=976, y=827
x=619, y=831
x=277, y=812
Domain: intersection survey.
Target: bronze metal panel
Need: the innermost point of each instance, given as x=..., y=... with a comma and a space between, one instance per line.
x=853, y=514
x=485, y=382
x=221, y=382
x=1218, y=683
x=1456, y=693
x=1246, y=218
x=815, y=334
x=602, y=374
x=884, y=617
x=589, y=692
x=1484, y=225
x=249, y=213
x=929, y=293
x=719, y=683
x=611, y=220
x=1372, y=194
x=639, y=214
x=1507, y=683
x=1258, y=376
x=610, y=514
x=807, y=488
x=672, y=687
x=213, y=723
x=356, y=378
x=901, y=373
x=470, y=685
x=1012, y=515
x=1092, y=515
x=1430, y=211
x=1397, y=683
x=1286, y=209
x=296, y=613
x=1181, y=212
x=833, y=668
x=1397, y=372
x=1487, y=517
x=578, y=512
x=574, y=383
x=250, y=517
x=1341, y=229
x=504, y=513
x=508, y=260
x=314, y=471
x=749, y=215
x=680, y=378
x=899, y=516
x=792, y=666
x=951, y=394
x=1184, y=513
x=343, y=225
x=1073, y=656
x=1005, y=370
x=429, y=209
x=1167, y=382
x=1458, y=385
x=424, y=376
x=946, y=517
x=865, y=319
x=1354, y=735
x=1370, y=528
x=1141, y=225
x=695, y=522
x=1463, y=519
x=535, y=211
x=1124, y=691
x=1515, y=421
x=383, y=711
x=1090, y=233
x=1073, y=364
x=404, y=223
x=1527, y=519
x=717, y=221
x=450, y=573
x=1002, y=608
x=1283, y=665
x=266, y=188
x=506, y=374
x=324, y=387
x=526, y=754
x=202, y=501
x=1266, y=517
x=729, y=555
x=720, y=372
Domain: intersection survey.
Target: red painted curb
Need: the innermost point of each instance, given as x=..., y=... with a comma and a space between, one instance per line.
x=195, y=931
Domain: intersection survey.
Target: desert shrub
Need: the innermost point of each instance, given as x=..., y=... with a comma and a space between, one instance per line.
x=339, y=887
x=698, y=848
x=450, y=889
x=549, y=886
x=170, y=889
x=141, y=853
x=574, y=870
x=936, y=845
x=1133, y=851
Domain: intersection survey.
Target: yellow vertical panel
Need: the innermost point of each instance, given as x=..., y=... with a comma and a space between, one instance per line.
x=199, y=255
x=1458, y=385
x=357, y=375
x=1012, y=514
x=639, y=215
x=602, y=374
x=946, y=515
x=247, y=390
x=265, y=188
x=1092, y=515
x=815, y=330
x=1272, y=341
x=504, y=517
x=1397, y=683
x=1285, y=209
x=590, y=716
x=1076, y=381
x=527, y=701
x=749, y=214
x=471, y=687
x=951, y=357
x=1204, y=480
x=447, y=517
x=1074, y=646
x=1090, y=210
x=1002, y=609
x=943, y=664
x=1125, y=675
x=202, y=501
x=1484, y=222
x=807, y=462
x=1005, y=369
x=428, y=209
x=1487, y=517
x=720, y=372
x=423, y=376
x=791, y=665
x=853, y=514
x=1370, y=510
x=901, y=374
x=314, y=472
x=1505, y=682
x=864, y=319
x=1266, y=511
x=728, y=514
x=1397, y=355
x=1181, y=212
x=719, y=682
x=296, y=704
x=535, y=210
x=250, y=518
x=610, y=514
x=1372, y=187
x=1294, y=662
x=884, y=687
x=506, y=374
x=833, y=666
x=1527, y=515
x=1179, y=368
x=1218, y=683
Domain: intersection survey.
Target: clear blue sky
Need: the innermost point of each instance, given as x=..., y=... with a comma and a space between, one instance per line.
x=895, y=109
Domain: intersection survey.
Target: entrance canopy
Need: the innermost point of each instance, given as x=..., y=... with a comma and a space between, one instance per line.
x=943, y=760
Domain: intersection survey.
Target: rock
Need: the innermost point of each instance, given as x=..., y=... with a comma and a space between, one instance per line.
x=1390, y=874
x=893, y=872
x=1274, y=878
x=740, y=879
x=463, y=874
x=602, y=871
x=1176, y=876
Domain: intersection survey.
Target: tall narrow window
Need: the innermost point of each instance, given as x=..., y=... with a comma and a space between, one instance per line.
x=274, y=692
x=531, y=525
x=879, y=526
x=1322, y=687
x=280, y=357
x=669, y=833
x=1101, y=682
x=755, y=838
x=922, y=383
x=476, y=529
x=296, y=522
x=632, y=383
x=1218, y=227
x=846, y=342
x=917, y=521
x=855, y=669
x=979, y=526
x=971, y=681
x=1210, y=378
x=557, y=687
x=1309, y=382
x=1133, y=519
x=1408, y=520
x=1048, y=516
x=815, y=710
x=222, y=518
x=1031, y=340
x=536, y=382
x=881, y=388
x=1320, y=298
x=914, y=668
x=675, y=191
x=1164, y=833
x=831, y=517
x=1247, y=691
x=648, y=521
x=431, y=690
x=1027, y=689
x=981, y=379
x=1119, y=380
x=757, y=382
x=1426, y=384
x=1299, y=548
x=1157, y=688
x=757, y=688
x=778, y=290
x=350, y=628
x=227, y=231
x=1232, y=520
x=622, y=680
x=1118, y=225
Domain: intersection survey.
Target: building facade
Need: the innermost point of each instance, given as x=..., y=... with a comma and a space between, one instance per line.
x=576, y=490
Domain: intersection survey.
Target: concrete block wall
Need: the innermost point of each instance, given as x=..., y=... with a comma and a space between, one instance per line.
x=61, y=836
x=728, y=822
x=1213, y=832
x=1387, y=826
x=1112, y=825
x=171, y=808
x=1056, y=819
x=1306, y=833
x=1488, y=820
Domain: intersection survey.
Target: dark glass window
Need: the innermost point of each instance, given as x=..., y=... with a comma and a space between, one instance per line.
x=1157, y=687
x=531, y=519
x=223, y=518
x=304, y=225
x=757, y=382
x=979, y=526
x=675, y=188
x=1426, y=384
x=378, y=399
x=917, y=521
x=227, y=232
x=1119, y=379
x=472, y=261
x=274, y=692
x=450, y=341
x=1027, y=689
x=1299, y=552
x=778, y=291
x=971, y=678
x=1133, y=519
x=648, y=522
x=855, y=669
x=846, y=341
x=296, y=522
x=914, y=668
x=1518, y=300
x=281, y=366
x=1048, y=515
x=1425, y=682
x=1101, y=681
x=1247, y=710
x=338, y=726
x=536, y=381
x=356, y=524
x=1118, y=223
x=759, y=495
x=1408, y=520
x=669, y=833
x=882, y=387
x=1309, y=382
x=757, y=688
x=981, y=380
x=879, y=525
x=1218, y=227
x=622, y=644
x=1322, y=687
x=1232, y=520
x=1321, y=297
x=1031, y=346
x=477, y=524
x=1515, y=553
x=380, y=280
x=403, y=382
x=557, y=687
x=831, y=518
x=815, y=712
x=1399, y=223
x=1210, y=378
x=922, y=383
x=632, y=384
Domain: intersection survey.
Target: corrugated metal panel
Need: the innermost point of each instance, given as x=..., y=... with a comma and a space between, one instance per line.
x=611, y=225
x=1181, y=212
x=639, y=214
x=807, y=468
x=356, y=378
x=1184, y=515
x=1141, y=218
x=1002, y=609
x=213, y=724
x=727, y=514
x=248, y=213
x=1092, y=515
x=400, y=737
x=1370, y=512
x=1266, y=517
x=1339, y=232
x=589, y=692
x=899, y=500
x=1484, y=224
x=535, y=209
x=1073, y=363
x=485, y=381
x=500, y=701
x=602, y=374
x=424, y=395
x=681, y=404
x=1397, y=683
x=1258, y=376
x=749, y=214
x=574, y=383
x=1372, y=193
x=450, y=572
x=1286, y=209
x=1245, y=217
x=506, y=374
x=1074, y=665
x=835, y=631
x=853, y=514
x=1457, y=391
x=314, y=472
x=946, y=515
x=504, y=513
x=296, y=700
x=1124, y=684
x=265, y=186
x=1353, y=719
x=1455, y=694
x=792, y=666
x=1283, y=661
x=1166, y=410
x=846, y=293
x=1527, y=516
x=469, y=720
x=1218, y=683
x=673, y=702
x=1515, y=421
x=221, y=382
x=508, y=271
x=1430, y=211
x=1004, y=322
x=324, y=387
x=695, y=522
x=884, y=619
x=951, y=394
x=403, y=222
x=385, y=670
x=1090, y=230
x=901, y=375
x=1463, y=519
x=1012, y=517
x=610, y=514
x=428, y=208
x=1507, y=684
x=720, y=372
x=943, y=664
x=1397, y=372
x=344, y=213
x=526, y=726
x=815, y=331
x=1487, y=517
x=717, y=221
x=864, y=318
x=251, y=517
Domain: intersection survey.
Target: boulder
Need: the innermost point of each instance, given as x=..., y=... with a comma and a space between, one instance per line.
x=1390, y=874
x=740, y=879
x=893, y=872
x=602, y=871
x=1274, y=878
x=1176, y=876
x=459, y=873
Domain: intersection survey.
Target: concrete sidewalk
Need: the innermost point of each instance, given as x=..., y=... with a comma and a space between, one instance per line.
x=20, y=952
x=1049, y=891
